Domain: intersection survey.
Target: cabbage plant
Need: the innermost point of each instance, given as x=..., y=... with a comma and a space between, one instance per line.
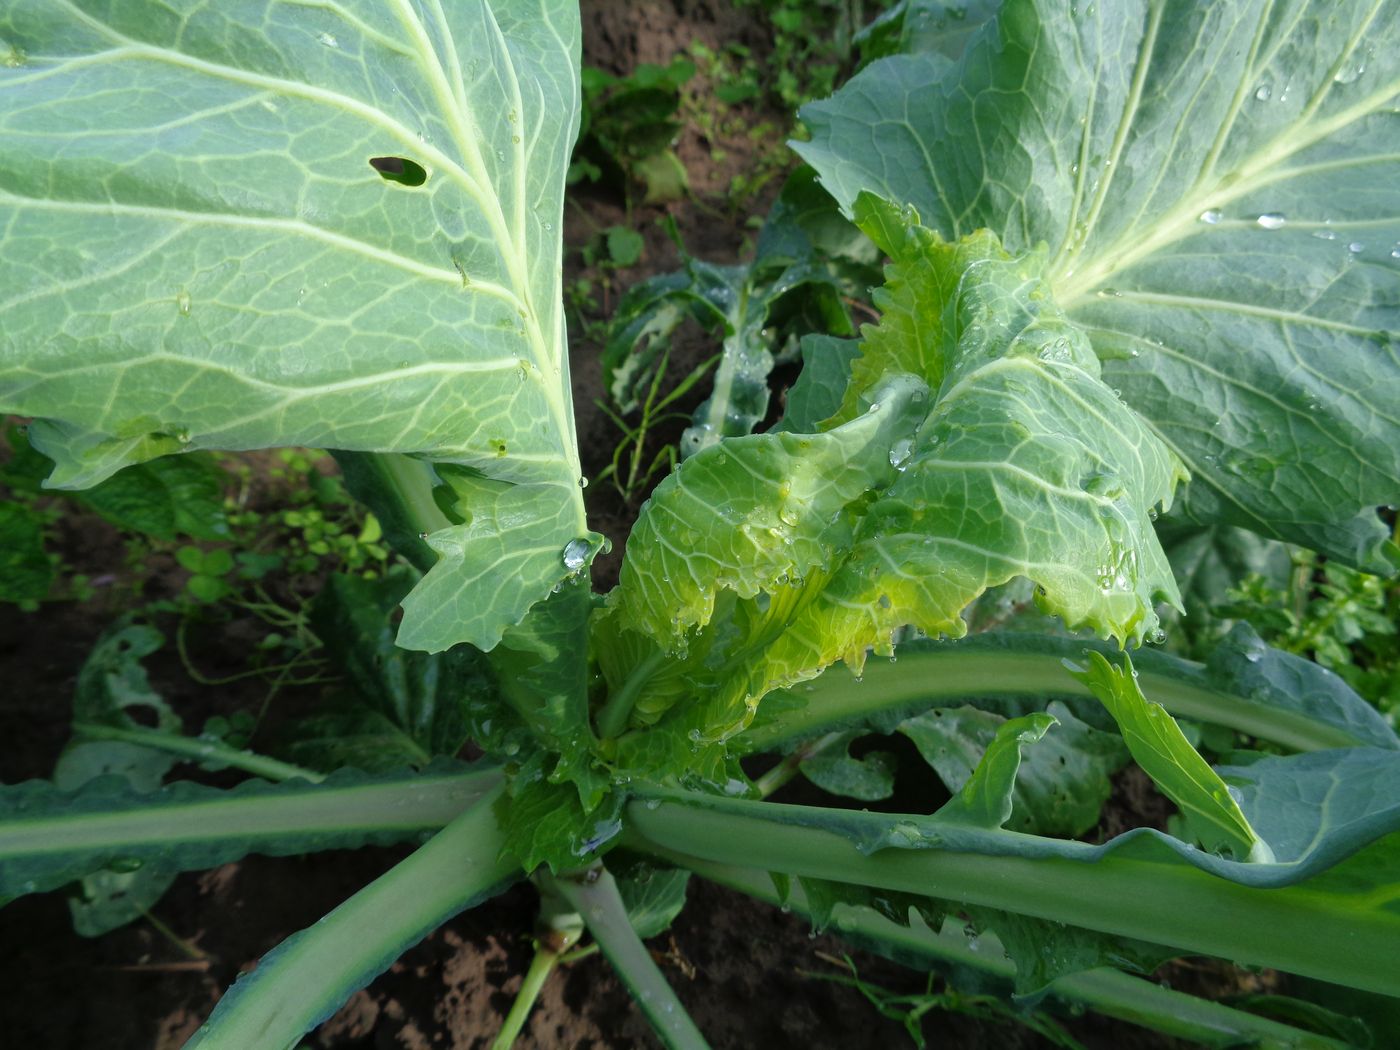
x=1140, y=257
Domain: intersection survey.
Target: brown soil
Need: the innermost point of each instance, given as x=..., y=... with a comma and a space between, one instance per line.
x=735, y=963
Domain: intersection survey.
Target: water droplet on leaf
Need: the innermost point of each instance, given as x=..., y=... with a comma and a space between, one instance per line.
x=1271, y=220
x=1352, y=69
x=1211, y=216
x=900, y=453
x=575, y=555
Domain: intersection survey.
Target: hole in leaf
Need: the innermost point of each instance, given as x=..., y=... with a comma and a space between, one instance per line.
x=143, y=715
x=399, y=169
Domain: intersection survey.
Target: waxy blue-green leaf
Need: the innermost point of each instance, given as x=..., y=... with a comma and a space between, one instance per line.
x=1219, y=186
x=1062, y=782
x=213, y=239
x=834, y=769
x=941, y=26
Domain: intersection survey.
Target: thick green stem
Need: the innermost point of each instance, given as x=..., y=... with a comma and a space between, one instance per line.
x=198, y=750
x=1109, y=992
x=923, y=678
x=1176, y=905
x=49, y=837
x=595, y=895
x=308, y=976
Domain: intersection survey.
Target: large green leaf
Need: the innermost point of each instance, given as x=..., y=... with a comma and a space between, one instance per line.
x=1019, y=462
x=1219, y=185
x=212, y=239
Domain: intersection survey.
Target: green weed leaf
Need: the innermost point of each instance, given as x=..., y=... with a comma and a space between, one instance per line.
x=25, y=570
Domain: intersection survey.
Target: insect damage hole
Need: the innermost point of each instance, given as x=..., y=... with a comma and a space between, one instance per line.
x=399, y=169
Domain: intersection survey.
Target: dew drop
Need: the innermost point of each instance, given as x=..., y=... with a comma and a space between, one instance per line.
x=1351, y=72
x=328, y=40
x=182, y=302
x=900, y=452
x=1271, y=220
x=1211, y=216
x=1355, y=247
x=575, y=555
x=1263, y=92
